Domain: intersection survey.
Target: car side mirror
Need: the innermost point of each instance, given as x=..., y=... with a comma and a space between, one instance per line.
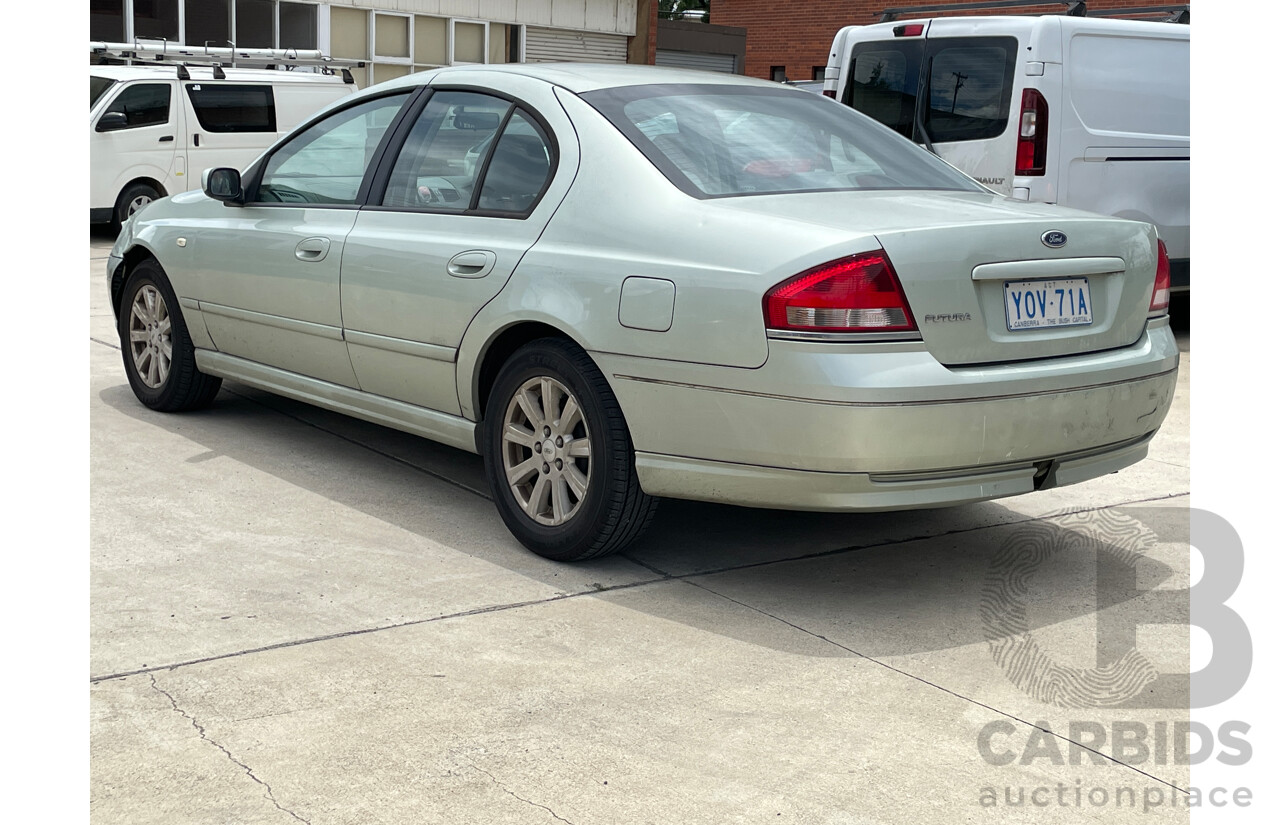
x=112, y=122
x=222, y=184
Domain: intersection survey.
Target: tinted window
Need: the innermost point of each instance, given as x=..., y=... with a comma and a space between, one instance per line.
x=970, y=86
x=445, y=152
x=519, y=169
x=326, y=162
x=144, y=104
x=223, y=107
x=715, y=140
x=883, y=83
x=97, y=86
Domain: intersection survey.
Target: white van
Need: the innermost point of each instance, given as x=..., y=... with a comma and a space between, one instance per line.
x=152, y=132
x=1083, y=112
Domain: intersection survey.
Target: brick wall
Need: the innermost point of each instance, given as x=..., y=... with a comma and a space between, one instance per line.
x=797, y=34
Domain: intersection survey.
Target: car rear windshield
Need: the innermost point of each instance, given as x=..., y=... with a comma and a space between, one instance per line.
x=712, y=140
x=97, y=87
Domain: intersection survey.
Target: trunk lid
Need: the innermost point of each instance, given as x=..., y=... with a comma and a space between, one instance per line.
x=963, y=258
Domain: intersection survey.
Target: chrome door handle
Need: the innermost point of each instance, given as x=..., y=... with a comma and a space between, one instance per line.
x=474, y=263
x=312, y=249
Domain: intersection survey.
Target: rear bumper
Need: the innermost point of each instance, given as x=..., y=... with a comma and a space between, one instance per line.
x=842, y=428
x=781, y=489
x=102, y=215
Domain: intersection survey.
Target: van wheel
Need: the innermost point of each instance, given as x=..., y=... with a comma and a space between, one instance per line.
x=133, y=198
x=159, y=358
x=559, y=457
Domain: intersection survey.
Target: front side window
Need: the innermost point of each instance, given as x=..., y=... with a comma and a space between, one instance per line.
x=326, y=162
x=143, y=104
x=226, y=107
x=970, y=87
x=714, y=140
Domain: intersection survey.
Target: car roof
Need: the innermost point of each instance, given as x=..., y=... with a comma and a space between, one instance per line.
x=205, y=74
x=586, y=77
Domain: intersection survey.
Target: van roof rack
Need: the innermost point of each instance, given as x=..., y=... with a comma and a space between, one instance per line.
x=164, y=53
x=1074, y=8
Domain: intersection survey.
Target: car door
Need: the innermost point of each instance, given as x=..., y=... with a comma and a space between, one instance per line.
x=266, y=273
x=135, y=136
x=448, y=221
x=229, y=124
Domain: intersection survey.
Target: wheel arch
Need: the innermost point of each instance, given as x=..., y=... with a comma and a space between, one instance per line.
x=144, y=179
x=500, y=346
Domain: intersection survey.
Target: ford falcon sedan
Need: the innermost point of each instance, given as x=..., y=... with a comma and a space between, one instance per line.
x=623, y=283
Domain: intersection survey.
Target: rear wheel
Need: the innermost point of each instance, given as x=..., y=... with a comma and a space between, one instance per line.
x=559, y=456
x=159, y=358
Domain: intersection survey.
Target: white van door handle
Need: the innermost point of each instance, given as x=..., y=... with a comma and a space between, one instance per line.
x=474, y=263
x=312, y=249
x=166, y=139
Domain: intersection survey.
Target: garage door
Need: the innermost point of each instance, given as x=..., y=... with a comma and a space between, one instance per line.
x=554, y=45
x=696, y=60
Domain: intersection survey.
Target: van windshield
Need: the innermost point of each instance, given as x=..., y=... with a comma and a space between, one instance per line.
x=97, y=87
x=713, y=140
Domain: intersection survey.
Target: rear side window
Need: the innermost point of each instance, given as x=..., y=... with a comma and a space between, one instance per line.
x=884, y=82
x=225, y=107
x=970, y=87
x=144, y=104
x=519, y=169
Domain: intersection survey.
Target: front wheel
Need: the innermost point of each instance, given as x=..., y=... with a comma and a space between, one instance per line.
x=559, y=457
x=159, y=358
x=133, y=198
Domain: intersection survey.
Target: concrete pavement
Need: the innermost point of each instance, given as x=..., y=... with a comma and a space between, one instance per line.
x=297, y=616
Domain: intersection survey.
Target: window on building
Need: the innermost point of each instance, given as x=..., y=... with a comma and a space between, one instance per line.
x=468, y=42
x=156, y=19
x=297, y=26
x=223, y=107
x=778, y=74
x=255, y=24
x=430, y=42
x=327, y=162
x=819, y=72
x=208, y=22
x=144, y=104
x=349, y=36
x=106, y=20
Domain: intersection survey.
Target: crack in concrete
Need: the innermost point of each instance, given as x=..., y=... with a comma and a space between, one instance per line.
x=270, y=794
x=507, y=790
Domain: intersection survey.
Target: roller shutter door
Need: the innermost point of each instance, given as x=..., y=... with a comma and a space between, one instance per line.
x=554, y=45
x=696, y=60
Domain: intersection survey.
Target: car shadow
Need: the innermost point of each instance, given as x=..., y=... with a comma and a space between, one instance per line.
x=900, y=583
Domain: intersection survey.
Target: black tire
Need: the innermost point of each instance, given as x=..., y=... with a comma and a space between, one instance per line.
x=181, y=386
x=613, y=511
x=131, y=197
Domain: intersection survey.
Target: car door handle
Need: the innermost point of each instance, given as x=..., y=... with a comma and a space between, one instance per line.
x=166, y=139
x=312, y=249
x=474, y=263
x=196, y=138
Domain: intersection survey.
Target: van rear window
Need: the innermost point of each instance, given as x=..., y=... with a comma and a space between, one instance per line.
x=885, y=76
x=970, y=86
x=226, y=107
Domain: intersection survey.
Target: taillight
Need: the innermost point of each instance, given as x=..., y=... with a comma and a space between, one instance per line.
x=1033, y=134
x=909, y=30
x=1160, y=292
x=857, y=294
x=829, y=92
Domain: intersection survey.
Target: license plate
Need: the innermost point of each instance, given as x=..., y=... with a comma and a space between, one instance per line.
x=1038, y=304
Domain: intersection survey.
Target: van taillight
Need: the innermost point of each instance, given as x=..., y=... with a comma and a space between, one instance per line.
x=909, y=30
x=829, y=92
x=1160, y=291
x=856, y=294
x=1033, y=134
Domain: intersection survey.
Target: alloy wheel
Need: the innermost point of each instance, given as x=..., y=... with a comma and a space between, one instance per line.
x=546, y=451
x=150, y=337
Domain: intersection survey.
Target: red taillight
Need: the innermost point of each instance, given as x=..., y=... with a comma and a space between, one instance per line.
x=910, y=30
x=829, y=92
x=1033, y=134
x=857, y=294
x=1160, y=292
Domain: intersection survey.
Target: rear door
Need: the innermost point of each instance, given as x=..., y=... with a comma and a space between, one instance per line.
x=476, y=181
x=948, y=83
x=228, y=124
